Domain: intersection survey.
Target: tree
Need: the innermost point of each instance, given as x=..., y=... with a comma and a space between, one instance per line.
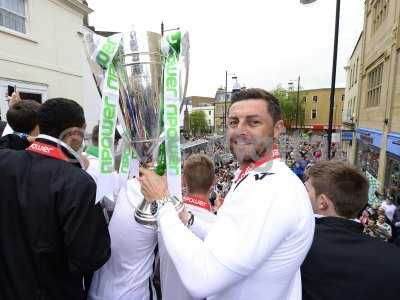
x=288, y=102
x=198, y=123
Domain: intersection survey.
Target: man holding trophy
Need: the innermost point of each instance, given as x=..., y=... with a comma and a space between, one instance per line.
x=139, y=73
x=265, y=227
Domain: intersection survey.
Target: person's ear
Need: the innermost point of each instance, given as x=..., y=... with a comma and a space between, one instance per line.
x=324, y=203
x=279, y=128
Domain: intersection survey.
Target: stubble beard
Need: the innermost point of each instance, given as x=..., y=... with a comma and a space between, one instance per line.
x=252, y=151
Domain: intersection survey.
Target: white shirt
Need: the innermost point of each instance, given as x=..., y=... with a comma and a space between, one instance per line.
x=255, y=248
x=7, y=130
x=105, y=184
x=172, y=287
x=390, y=209
x=125, y=276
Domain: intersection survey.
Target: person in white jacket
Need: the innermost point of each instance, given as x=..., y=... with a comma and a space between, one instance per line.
x=264, y=228
x=198, y=178
x=127, y=274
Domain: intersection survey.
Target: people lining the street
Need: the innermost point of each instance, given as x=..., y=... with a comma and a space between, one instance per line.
x=233, y=205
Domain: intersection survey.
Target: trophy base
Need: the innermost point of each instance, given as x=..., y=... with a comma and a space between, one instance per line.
x=145, y=213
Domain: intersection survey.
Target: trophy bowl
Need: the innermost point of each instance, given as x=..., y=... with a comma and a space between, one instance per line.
x=139, y=67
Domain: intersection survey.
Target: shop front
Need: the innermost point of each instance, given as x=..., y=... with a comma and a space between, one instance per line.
x=368, y=150
x=392, y=176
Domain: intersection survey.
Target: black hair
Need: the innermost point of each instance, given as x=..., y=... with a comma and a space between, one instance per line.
x=23, y=116
x=274, y=108
x=95, y=135
x=58, y=114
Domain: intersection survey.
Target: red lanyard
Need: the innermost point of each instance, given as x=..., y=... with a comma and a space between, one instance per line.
x=47, y=150
x=197, y=201
x=246, y=170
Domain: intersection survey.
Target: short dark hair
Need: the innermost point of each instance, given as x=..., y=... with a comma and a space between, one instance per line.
x=23, y=116
x=58, y=114
x=343, y=184
x=198, y=171
x=95, y=135
x=274, y=109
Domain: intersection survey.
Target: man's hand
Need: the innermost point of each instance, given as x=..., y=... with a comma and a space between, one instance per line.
x=85, y=161
x=31, y=139
x=15, y=98
x=154, y=187
x=184, y=216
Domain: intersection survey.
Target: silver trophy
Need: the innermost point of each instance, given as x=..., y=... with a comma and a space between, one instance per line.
x=139, y=68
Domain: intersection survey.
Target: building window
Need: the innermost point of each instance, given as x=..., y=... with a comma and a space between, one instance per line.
x=305, y=99
x=313, y=114
x=12, y=15
x=374, y=86
x=355, y=79
x=342, y=97
x=209, y=112
x=380, y=12
x=315, y=98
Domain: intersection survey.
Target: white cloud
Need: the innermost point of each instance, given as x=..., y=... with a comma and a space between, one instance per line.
x=265, y=42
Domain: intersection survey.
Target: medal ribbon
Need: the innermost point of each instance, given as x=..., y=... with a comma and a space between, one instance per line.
x=197, y=201
x=47, y=150
x=246, y=170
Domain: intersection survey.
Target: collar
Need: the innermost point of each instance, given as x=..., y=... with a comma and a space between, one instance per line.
x=340, y=223
x=269, y=158
x=71, y=154
x=198, y=201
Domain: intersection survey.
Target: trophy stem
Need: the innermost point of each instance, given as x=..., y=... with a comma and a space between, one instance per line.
x=145, y=213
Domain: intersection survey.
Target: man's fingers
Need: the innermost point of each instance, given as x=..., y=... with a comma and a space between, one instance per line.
x=144, y=171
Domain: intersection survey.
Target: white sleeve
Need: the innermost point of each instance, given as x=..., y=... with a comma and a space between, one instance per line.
x=200, y=227
x=201, y=273
x=237, y=244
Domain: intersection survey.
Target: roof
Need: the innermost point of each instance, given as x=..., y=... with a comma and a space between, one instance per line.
x=355, y=47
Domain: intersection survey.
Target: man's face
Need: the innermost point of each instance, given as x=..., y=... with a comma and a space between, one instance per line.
x=381, y=219
x=251, y=130
x=74, y=137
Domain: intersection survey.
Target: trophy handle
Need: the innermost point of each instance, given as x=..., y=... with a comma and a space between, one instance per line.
x=146, y=212
x=185, y=60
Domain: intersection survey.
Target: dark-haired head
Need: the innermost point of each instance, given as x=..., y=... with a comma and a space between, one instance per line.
x=254, y=123
x=23, y=117
x=63, y=119
x=272, y=102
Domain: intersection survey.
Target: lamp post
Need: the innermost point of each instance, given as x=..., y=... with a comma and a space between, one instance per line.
x=333, y=83
x=297, y=99
x=165, y=30
x=226, y=95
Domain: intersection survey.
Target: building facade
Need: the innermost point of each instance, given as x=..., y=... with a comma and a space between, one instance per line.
x=42, y=53
x=222, y=102
x=352, y=96
x=377, y=133
x=316, y=108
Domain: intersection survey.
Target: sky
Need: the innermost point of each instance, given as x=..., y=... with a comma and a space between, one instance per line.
x=265, y=43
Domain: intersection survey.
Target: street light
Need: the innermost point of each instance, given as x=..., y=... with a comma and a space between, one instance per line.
x=165, y=30
x=226, y=94
x=333, y=83
x=298, y=98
